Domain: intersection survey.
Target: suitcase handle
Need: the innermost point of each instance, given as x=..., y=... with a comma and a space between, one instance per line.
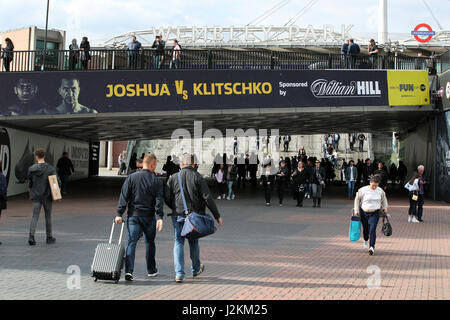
x=112, y=231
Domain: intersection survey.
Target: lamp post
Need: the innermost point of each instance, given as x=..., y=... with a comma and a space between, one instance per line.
x=45, y=37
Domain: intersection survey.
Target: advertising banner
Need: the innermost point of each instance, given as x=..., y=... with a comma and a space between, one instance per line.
x=443, y=157
x=51, y=93
x=17, y=149
x=408, y=88
x=444, y=81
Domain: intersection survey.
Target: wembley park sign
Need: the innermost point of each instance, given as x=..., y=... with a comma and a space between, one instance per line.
x=250, y=35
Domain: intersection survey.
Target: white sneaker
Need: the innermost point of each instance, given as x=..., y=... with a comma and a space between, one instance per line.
x=409, y=218
x=233, y=196
x=366, y=244
x=228, y=198
x=219, y=197
x=414, y=219
x=371, y=251
x=224, y=196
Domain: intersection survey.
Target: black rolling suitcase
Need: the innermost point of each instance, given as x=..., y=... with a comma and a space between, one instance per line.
x=108, y=259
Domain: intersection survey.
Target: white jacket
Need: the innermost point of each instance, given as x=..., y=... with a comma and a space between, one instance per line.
x=414, y=186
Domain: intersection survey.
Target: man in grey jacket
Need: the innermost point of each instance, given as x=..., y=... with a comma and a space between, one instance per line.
x=198, y=197
x=40, y=194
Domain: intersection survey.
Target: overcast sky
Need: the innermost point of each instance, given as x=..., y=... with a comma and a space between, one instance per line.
x=103, y=19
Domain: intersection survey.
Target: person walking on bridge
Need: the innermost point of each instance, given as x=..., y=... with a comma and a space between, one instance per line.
x=198, y=196
x=372, y=49
x=142, y=198
x=353, y=52
x=134, y=48
x=8, y=54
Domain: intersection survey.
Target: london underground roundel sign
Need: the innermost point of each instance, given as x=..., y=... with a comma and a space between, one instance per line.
x=428, y=32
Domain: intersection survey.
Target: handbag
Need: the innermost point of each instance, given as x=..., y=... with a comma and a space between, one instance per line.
x=194, y=225
x=387, y=228
x=415, y=196
x=301, y=188
x=355, y=228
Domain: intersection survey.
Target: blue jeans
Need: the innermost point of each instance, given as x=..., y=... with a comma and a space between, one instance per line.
x=308, y=189
x=369, y=223
x=351, y=188
x=175, y=64
x=136, y=225
x=64, y=179
x=178, y=251
x=157, y=62
x=230, y=189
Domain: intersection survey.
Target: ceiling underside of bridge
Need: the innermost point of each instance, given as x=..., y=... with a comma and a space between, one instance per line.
x=160, y=125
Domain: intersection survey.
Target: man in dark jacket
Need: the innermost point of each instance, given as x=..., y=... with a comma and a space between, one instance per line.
x=142, y=194
x=65, y=169
x=344, y=50
x=40, y=194
x=158, y=57
x=198, y=197
x=367, y=172
x=383, y=175
x=353, y=51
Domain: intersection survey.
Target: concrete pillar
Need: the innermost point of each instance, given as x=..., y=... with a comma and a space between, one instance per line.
x=110, y=155
x=383, y=34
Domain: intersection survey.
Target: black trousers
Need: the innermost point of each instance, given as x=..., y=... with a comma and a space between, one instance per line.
x=412, y=206
x=84, y=64
x=221, y=187
x=420, y=203
x=299, y=196
x=281, y=191
x=7, y=63
x=267, y=193
x=73, y=62
x=254, y=180
x=241, y=179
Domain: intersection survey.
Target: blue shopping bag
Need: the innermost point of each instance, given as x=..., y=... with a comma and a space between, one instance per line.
x=194, y=225
x=355, y=228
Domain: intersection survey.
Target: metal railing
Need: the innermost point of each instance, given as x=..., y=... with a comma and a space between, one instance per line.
x=107, y=59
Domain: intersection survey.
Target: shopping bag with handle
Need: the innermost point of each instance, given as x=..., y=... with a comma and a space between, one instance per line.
x=355, y=228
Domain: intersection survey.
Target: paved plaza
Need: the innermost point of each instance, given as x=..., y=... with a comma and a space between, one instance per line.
x=260, y=252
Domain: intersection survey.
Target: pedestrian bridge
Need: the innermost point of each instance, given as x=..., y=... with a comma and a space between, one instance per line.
x=150, y=104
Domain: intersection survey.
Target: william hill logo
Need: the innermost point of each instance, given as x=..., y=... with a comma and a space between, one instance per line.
x=322, y=88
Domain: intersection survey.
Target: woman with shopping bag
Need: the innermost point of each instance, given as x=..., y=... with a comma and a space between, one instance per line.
x=370, y=204
x=413, y=188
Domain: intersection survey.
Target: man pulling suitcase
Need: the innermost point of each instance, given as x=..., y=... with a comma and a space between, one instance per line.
x=142, y=194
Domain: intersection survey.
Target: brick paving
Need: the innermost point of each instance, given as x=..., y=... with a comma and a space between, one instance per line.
x=260, y=253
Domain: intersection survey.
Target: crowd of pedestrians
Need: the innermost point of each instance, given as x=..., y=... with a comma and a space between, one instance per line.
x=143, y=194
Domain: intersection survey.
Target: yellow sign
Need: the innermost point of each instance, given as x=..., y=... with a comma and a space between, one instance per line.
x=408, y=88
